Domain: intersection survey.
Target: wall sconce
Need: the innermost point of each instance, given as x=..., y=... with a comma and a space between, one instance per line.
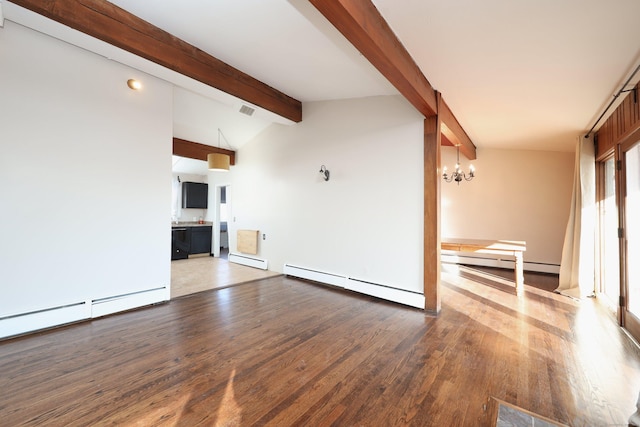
x=458, y=175
x=325, y=173
x=134, y=84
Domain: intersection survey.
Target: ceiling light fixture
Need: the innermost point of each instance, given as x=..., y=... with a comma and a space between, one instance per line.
x=458, y=175
x=218, y=161
x=134, y=84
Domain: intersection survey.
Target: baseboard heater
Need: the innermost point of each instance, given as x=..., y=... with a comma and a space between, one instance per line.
x=315, y=275
x=248, y=261
x=401, y=296
x=389, y=293
x=40, y=319
x=500, y=263
x=21, y=323
x=105, y=306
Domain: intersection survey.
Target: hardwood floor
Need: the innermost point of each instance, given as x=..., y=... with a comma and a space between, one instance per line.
x=281, y=352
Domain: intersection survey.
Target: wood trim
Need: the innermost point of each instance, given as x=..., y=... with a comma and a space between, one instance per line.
x=361, y=24
x=431, y=240
x=454, y=133
x=620, y=187
x=630, y=139
x=623, y=122
x=116, y=26
x=195, y=150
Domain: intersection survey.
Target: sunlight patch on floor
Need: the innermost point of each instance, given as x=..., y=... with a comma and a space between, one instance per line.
x=229, y=413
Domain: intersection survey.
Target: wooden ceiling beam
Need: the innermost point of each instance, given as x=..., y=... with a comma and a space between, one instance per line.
x=453, y=133
x=116, y=26
x=361, y=24
x=197, y=151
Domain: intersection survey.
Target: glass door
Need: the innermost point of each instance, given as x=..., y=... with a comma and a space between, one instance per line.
x=609, y=241
x=631, y=200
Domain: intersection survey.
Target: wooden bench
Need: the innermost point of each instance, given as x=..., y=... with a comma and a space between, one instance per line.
x=497, y=247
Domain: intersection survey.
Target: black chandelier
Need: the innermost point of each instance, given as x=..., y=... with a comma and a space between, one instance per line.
x=458, y=175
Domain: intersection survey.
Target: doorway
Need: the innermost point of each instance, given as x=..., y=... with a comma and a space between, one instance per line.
x=609, y=277
x=631, y=237
x=221, y=221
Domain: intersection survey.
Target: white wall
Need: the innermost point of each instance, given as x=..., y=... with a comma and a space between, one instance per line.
x=85, y=175
x=516, y=195
x=85, y=179
x=366, y=221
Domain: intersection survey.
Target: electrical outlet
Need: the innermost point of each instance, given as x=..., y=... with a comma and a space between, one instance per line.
x=264, y=236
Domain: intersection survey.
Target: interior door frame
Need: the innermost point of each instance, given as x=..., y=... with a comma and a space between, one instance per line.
x=216, y=218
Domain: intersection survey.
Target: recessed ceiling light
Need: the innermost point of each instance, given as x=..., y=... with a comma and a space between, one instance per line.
x=134, y=84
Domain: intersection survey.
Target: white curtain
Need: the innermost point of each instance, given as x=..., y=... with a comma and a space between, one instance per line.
x=577, y=267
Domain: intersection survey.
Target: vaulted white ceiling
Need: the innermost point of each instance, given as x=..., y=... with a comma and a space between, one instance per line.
x=517, y=74
x=521, y=74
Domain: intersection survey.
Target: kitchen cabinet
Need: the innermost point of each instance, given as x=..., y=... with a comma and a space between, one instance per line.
x=190, y=240
x=200, y=240
x=195, y=195
x=180, y=243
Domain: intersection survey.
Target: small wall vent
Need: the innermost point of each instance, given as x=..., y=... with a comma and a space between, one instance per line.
x=247, y=110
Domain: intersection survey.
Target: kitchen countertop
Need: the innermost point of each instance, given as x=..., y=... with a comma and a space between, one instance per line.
x=191, y=224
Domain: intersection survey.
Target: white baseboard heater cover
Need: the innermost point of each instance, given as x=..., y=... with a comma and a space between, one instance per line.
x=248, y=261
x=401, y=296
x=315, y=275
x=41, y=319
x=499, y=263
x=55, y=316
x=114, y=304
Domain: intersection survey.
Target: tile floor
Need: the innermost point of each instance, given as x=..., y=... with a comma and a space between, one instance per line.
x=199, y=274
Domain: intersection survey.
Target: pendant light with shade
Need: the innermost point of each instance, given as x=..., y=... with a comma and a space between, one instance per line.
x=218, y=161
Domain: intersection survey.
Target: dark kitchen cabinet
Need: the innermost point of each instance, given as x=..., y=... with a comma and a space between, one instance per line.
x=201, y=240
x=188, y=240
x=180, y=243
x=195, y=195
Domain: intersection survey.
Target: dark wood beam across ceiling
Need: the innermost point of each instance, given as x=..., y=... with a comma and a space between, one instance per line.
x=361, y=23
x=197, y=151
x=116, y=26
